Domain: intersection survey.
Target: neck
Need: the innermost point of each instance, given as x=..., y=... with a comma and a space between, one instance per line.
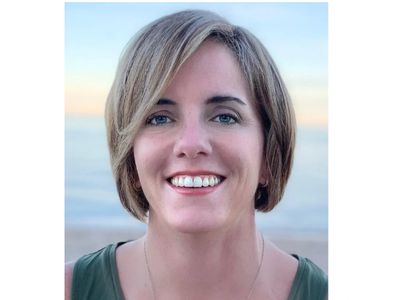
x=217, y=265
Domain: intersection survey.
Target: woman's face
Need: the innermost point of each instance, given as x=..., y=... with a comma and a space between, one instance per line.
x=199, y=151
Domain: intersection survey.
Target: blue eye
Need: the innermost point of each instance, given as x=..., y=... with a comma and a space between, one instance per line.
x=158, y=120
x=226, y=119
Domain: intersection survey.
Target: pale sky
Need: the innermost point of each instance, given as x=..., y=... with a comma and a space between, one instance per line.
x=295, y=34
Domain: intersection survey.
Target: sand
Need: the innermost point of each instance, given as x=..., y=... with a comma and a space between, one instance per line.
x=81, y=240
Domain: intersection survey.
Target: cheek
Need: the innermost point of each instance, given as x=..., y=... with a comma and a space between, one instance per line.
x=145, y=158
x=242, y=152
x=249, y=143
x=151, y=158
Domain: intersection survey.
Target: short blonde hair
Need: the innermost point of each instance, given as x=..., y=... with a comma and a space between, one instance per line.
x=146, y=68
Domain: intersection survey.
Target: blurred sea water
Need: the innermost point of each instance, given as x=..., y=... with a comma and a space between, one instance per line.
x=91, y=197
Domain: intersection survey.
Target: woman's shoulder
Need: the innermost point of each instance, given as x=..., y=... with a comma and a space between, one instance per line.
x=93, y=274
x=131, y=267
x=281, y=269
x=311, y=282
x=296, y=277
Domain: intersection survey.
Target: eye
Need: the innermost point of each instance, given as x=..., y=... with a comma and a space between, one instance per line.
x=226, y=119
x=157, y=120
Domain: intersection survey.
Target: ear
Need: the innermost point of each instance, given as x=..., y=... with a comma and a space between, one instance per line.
x=264, y=178
x=137, y=184
x=136, y=181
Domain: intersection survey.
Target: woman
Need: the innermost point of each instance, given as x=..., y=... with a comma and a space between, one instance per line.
x=201, y=133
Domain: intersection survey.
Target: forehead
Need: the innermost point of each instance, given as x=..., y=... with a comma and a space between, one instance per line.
x=211, y=69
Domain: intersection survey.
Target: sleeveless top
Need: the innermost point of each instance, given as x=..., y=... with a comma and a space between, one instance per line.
x=95, y=277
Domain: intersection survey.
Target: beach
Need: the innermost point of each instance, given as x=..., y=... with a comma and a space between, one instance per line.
x=80, y=240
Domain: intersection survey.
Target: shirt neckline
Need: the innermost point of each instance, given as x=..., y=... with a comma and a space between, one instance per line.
x=117, y=283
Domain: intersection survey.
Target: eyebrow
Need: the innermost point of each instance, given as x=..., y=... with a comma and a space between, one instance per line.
x=212, y=100
x=222, y=99
x=165, y=101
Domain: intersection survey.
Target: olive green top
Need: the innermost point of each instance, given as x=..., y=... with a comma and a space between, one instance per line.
x=95, y=276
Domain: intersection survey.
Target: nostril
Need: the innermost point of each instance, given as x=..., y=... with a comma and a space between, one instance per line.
x=192, y=151
x=193, y=142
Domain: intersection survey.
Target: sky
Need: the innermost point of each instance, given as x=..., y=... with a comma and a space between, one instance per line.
x=295, y=34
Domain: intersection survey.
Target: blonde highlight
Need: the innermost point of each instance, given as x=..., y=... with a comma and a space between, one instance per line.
x=147, y=66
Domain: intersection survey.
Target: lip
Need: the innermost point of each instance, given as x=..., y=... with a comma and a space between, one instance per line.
x=198, y=190
x=194, y=191
x=195, y=173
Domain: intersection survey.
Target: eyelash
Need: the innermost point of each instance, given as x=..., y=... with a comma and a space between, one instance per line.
x=236, y=119
x=151, y=121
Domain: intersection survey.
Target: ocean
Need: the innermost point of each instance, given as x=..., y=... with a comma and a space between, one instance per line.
x=91, y=197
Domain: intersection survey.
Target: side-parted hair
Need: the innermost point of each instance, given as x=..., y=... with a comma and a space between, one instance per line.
x=146, y=68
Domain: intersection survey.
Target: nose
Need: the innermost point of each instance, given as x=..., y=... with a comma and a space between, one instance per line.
x=193, y=141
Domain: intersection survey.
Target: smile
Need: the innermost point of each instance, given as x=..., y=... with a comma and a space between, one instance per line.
x=199, y=181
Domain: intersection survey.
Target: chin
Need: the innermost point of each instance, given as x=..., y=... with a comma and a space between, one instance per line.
x=196, y=222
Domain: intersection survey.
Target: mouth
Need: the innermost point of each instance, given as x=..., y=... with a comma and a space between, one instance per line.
x=198, y=181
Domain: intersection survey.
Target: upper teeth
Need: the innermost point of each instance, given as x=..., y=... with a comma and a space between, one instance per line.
x=195, y=181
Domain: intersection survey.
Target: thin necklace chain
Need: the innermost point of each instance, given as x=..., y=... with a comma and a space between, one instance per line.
x=148, y=271
x=258, y=269
x=252, y=285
